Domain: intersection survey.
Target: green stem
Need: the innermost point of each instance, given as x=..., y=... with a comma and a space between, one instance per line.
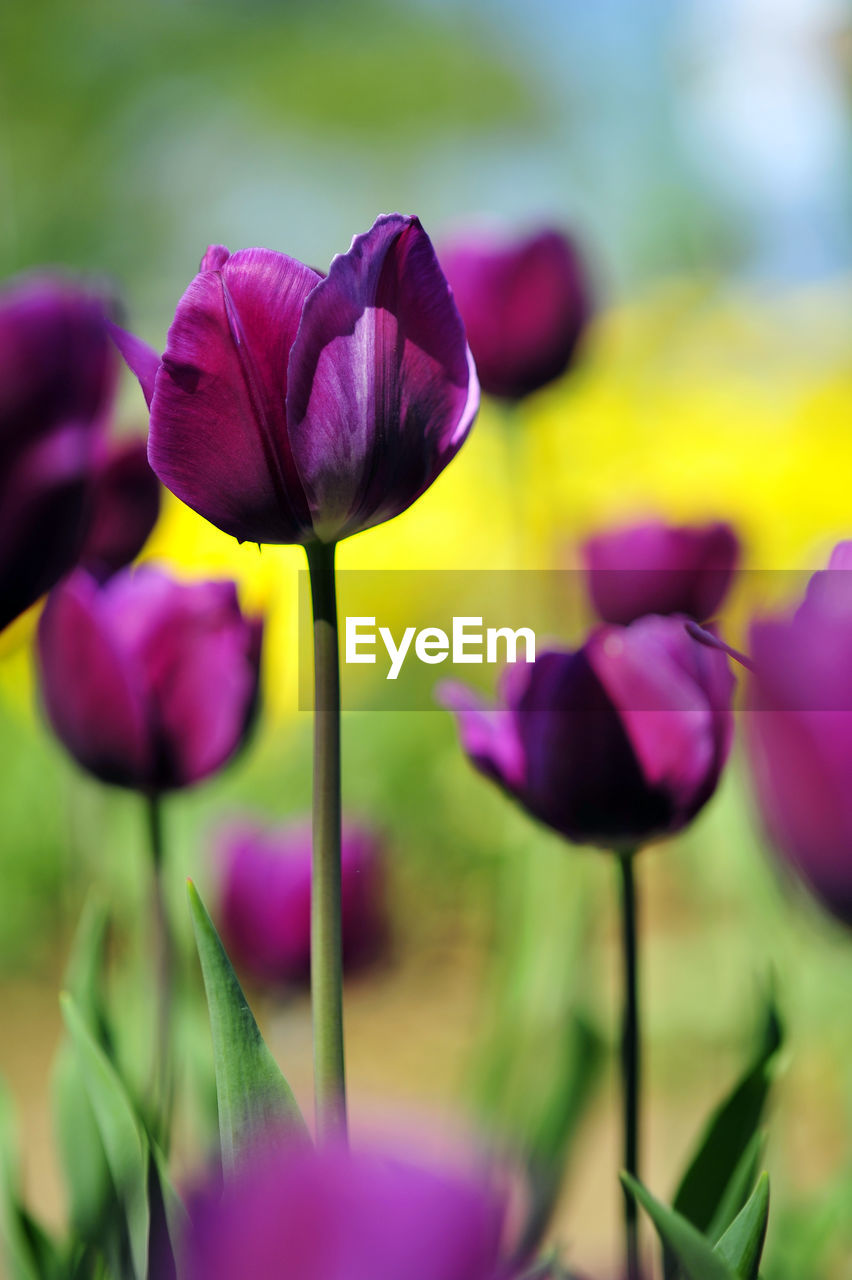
x=630, y=1064
x=164, y=969
x=326, y=944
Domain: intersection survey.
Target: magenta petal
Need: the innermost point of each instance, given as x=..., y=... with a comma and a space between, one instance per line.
x=89, y=690
x=382, y=392
x=140, y=359
x=215, y=256
x=125, y=504
x=218, y=427
x=488, y=735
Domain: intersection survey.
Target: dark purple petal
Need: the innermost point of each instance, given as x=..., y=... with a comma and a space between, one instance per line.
x=381, y=392
x=524, y=304
x=488, y=735
x=332, y=1215
x=125, y=504
x=655, y=568
x=57, y=376
x=89, y=688
x=218, y=424
x=140, y=359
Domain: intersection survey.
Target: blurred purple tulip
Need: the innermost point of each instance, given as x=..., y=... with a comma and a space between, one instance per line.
x=124, y=505
x=660, y=568
x=615, y=744
x=524, y=303
x=291, y=407
x=336, y=1215
x=799, y=733
x=148, y=682
x=57, y=375
x=265, y=899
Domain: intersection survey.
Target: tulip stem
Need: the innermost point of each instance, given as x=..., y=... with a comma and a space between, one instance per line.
x=326, y=941
x=630, y=1056
x=164, y=968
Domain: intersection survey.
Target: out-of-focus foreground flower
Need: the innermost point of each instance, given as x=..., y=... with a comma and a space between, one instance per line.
x=615, y=744
x=525, y=304
x=799, y=731
x=291, y=407
x=148, y=682
x=57, y=374
x=335, y=1215
x=265, y=899
x=659, y=568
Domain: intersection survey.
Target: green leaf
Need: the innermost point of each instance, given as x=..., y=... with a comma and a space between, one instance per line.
x=728, y=1135
x=742, y=1244
x=124, y=1140
x=86, y=969
x=253, y=1095
x=738, y=1189
x=680, y=1238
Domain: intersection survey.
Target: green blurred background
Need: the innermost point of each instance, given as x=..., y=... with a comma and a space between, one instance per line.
x=699, y=150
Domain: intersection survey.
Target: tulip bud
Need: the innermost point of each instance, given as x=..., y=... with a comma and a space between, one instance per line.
x=265, y=900
x=613, y=745
x=57, y=375
x=294, y=407
x=659, y=568
x=330, y=1213
x=149, y=683
x=524, y=303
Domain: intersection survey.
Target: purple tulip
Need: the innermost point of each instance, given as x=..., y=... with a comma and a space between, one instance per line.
x=124, y=507
x=660, y=568
x=613, y=745
x=524, y=303
x=335, y=1215
x=799, y=733
x=265, y=899
x=291, y=407
x=57, y=375
x=148, y=682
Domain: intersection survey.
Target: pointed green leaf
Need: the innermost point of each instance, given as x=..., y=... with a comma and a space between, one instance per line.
x=125, y=1144
x=686, y=1244
x=728, y=1134
x=253, y=1095
x=738, y=1189
x=86, y=970
x=742, y=1244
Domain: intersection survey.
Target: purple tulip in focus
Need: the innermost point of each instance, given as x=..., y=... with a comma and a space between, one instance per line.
x=335, y=1215
x=615, y=744
x=800, y=733
x=293, y=407
x=524, y=303
x=660, y=568
x=57, y=374
x=148, y=682
x=265, y=900
x=124, y=506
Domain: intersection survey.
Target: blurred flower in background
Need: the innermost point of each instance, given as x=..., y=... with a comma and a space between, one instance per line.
x=800, y=733
x=525, y=304
x=339, y=1215
x=660, y=568
x=149, y=683
x=264, y=896
x=124, y=507
x=615, y=744
x=57, y=375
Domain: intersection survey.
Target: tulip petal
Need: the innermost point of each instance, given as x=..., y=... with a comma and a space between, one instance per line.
x=218, y=427
x=382, y=390
x=140, y=359
x=89, y=692
x=488, y=735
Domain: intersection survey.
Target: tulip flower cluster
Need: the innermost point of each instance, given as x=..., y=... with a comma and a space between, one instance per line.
x=294, y=407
